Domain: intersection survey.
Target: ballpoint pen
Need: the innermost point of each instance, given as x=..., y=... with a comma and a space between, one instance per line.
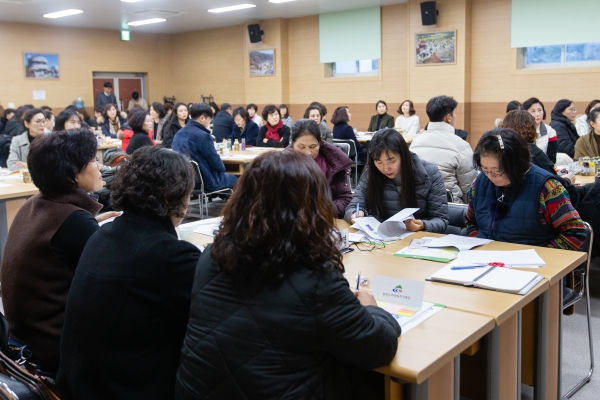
x=357, y=209
x=468, y=267
x=358, y=280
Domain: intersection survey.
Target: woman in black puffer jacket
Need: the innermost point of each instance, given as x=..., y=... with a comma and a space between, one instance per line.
x=563, y=118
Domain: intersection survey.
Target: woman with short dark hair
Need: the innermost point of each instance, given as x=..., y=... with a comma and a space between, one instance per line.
x=408, y=121
x=546, y=140
x=8, y=114
x=273, y=133
x=273, y=284
x=341, y=130
x=513, y=201
x=382, y=119
x=112, y=122
x=334, y=163
x=253, y=112
x=46, y=240
x=244, y=128
x=129, y=301
x=177, y=120
x=314, y=112
x=67, y=120
x=35, y=123
x=158, y=113
x=582, y=122
x=285, y=115
x=396, y=179
x=141, y=125
x=563, y=119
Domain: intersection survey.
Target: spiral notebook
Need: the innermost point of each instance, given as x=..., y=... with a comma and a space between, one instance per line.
x=493, y=278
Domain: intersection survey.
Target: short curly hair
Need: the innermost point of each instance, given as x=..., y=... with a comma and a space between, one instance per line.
x=136, y=120
x=155, y=182
x=55, y=159
x=521, y=122
x=270, y=109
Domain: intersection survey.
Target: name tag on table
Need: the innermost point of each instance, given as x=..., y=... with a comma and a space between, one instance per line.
x=398, y=296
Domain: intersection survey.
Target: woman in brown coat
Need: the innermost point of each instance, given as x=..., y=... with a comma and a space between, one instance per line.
x=306, y=139
x=588, y=145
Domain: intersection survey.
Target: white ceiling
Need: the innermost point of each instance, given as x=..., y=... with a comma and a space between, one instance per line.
x=192, y=14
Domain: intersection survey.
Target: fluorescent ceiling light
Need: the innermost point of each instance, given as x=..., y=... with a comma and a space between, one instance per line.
x=64, y=13
x=146, y=21
x=280, y=1
x=231, y=8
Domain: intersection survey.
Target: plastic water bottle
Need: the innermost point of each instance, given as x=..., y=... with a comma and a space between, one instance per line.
x=229, y=146
x=243, y=144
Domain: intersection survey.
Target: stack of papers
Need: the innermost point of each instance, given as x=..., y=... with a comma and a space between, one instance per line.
x=206, y=227
x=459, y=242
x=511, y=259
x=409, y=317
x=391, y=229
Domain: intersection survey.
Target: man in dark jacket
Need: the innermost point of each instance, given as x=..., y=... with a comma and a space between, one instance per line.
x=106, y=97
x=223, y=124
x=195, y=142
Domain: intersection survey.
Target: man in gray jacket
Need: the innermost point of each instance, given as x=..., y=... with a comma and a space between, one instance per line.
x=440, y=146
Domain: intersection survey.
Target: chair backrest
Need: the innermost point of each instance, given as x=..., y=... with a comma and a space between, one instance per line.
x=345, y=147
x=457, y=214
x=350, y=143
x=199, y=178
x=589, y=241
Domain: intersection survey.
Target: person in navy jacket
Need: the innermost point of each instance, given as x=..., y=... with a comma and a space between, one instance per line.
x=223, y=125
x=194, y=141
x=341, y=130
x=245, y=128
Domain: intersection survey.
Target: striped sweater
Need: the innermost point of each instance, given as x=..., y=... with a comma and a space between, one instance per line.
x=555, y=208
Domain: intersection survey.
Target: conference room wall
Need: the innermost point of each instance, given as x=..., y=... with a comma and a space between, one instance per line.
x=81, y=52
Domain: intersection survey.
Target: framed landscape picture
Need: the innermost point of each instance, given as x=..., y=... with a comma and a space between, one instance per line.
x=436, y=48
x=262, y=62
x=39, y=65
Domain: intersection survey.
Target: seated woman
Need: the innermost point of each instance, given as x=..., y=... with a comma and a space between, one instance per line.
x=582, y=122
x=513, y=105
x=589, y=144
x=128, y=307
x=563, y=119
x=382, y=119
x=341, y=130
x=35, y=123
x=546, y=139
x=334, y=163
x=67, y=120
x=245, y=128
x=408, y=121
x=46, y=240
x=253, y=112
x=501, y=197
x=174, y=123
x=273, y=284
x=158, y=114
x=50, y=121
x=397, y=179
x=85, y=117
x=314, y=112
x=112, y=122
x=141, y=131
x=273, y=133
x=286, y=118
x=214, y=107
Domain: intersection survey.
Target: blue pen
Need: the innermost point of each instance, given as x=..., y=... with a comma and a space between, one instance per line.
x=357, y=209
x=469, y=267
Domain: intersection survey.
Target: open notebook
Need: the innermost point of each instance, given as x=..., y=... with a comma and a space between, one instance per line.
x=493, y=278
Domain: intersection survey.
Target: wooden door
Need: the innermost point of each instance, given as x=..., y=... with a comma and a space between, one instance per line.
x=99, y=87
x=126, y=87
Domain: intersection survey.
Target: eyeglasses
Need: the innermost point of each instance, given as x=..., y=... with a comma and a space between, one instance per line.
x=572, y=109
x=367, y=244
x=39, y=122
x=491, y=173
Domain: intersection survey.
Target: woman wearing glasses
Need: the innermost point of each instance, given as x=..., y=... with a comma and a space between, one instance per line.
x=513, y=201
x=563, y=119
x=47, y=238
x=35, y=123
x=396, y=179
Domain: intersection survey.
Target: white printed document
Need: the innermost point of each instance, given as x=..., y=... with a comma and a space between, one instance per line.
x=392, y=228
x=460, y=242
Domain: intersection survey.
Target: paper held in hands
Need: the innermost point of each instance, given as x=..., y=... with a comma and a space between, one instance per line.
x=392, y=228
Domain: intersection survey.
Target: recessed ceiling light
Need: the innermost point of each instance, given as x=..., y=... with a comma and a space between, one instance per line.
x=63, y=13
x=280, y=1
x=146, y=21
x=231, y=8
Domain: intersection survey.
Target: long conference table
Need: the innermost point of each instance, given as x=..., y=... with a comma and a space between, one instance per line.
x=428, y=363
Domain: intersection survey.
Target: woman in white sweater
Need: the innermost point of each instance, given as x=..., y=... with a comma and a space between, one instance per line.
x=547, y=139
x=407, y=120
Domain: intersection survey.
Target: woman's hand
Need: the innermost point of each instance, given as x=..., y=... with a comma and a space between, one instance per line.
x=365, y=298
x=20, y=164
x=360, y=215
x=414, y=225
x=107, y=215
x=265, y=140
x=571, y=177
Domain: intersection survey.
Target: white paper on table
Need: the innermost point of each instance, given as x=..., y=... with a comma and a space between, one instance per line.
x=5, y=185
x=460, y=242
x=356, y=236
x=516, y=258
x=424, y=313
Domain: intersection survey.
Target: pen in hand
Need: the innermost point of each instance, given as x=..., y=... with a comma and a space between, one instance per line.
x=357, y=209
x=358, y=280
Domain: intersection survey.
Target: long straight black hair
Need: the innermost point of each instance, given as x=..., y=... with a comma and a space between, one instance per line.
x=389, y=141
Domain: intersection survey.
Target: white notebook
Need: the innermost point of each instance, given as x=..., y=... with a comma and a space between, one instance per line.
x=494, y=278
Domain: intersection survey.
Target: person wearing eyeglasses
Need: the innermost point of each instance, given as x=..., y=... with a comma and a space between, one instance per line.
x=396, y=179
x=563, y=120
x=35, y=124
x=514, y=201
x=47, y=237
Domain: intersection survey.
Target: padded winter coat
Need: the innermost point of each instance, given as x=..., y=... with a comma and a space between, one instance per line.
x=566, y=133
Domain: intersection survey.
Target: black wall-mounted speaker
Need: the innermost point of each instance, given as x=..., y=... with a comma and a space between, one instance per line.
x=255, y=33
x=428, y=13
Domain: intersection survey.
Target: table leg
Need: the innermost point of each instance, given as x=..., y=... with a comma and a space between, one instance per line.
x=560, y=339
x=552, y=371
x=541, y=358
x=441, y=384
x=457, y=377
x=493, y=367
x=519, y=347
x=509, y=358
x=242, y=169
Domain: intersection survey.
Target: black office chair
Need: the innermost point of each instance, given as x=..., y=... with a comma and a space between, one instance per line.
x=202, y=195
x=581, y=290
x=352, y=154
x=457, y=214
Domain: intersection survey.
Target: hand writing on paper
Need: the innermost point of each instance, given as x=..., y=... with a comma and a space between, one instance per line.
x=414, y=225
x=360, y=215
x=365, y=298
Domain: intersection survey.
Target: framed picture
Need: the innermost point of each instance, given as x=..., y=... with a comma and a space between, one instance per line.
x=436, y=48
x=262, y=62
x=39, y=65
